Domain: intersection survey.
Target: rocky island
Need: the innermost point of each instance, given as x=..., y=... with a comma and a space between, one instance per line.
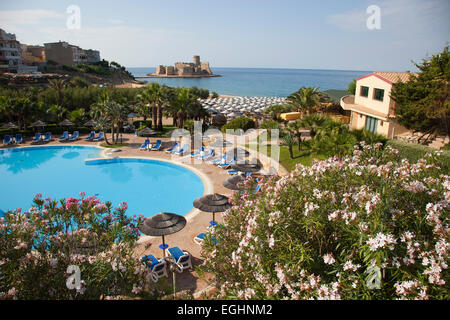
x=195, y=69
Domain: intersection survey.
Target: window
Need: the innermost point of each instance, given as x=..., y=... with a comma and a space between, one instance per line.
x=378, y=94
x=371, y=124
x=364, y=91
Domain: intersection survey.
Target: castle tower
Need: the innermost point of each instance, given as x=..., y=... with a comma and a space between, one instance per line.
x=196, y=60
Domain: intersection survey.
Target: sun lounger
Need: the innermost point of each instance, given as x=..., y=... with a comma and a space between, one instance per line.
x=75, y=136
x=182, y=150
x=37, y=138
x=6, y=140
x=64, y=137
x=174, y=147
x=199, y=239
x=226, y=165
x=19, y=138
x=181, y=258
x=218, y=161
x=198, y=152
x=48, y=137
x=145, y=145
x=206, y=156
x=100, y=136
x=157, y=146
x=157, y=267
x=91, y=136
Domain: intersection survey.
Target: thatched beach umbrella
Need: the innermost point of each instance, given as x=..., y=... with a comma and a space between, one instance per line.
x=232, y=182
x=39, y=123
x=90, y=123
x=213, y=203
x=9, y=125
x=219, y=143
x=66, y=123
x=146, y=132
x=163, y=224
x=238, y=153
x=250, y=166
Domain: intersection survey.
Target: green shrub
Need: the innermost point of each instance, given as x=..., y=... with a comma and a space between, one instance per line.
x=413, y=152
x=239, y=123
x=369, y=137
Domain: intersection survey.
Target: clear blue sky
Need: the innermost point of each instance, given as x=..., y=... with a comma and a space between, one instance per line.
x=321, y=34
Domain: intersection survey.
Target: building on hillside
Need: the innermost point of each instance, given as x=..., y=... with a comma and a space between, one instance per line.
x=67, y=54
x=372, y=107
x=10, y=52
x=32, y=55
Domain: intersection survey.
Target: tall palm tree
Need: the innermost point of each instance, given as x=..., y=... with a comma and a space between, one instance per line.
x=181, y=105
x=111, y=113
x=58, y=85
x=289, y=141
x=153, y=95
x=305, y=99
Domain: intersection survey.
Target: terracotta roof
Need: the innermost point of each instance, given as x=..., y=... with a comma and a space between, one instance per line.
x=395, y=76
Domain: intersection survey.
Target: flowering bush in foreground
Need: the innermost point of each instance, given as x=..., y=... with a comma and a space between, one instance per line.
x=38, y=246
x=367, y=226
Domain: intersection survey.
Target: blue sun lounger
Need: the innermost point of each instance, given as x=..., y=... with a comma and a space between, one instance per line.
x=48, y=137
x=182, y=150
x=157, y=267
x=207, y=155
x=157, y=145
x=100, y=136
x=198, y=152
x=36, y=138
x=145, y=145
x=174, y=147
x=75, y=136
x=91, y=136
x=200, y=238
x=64, y=137
x=19, y=138
x=6, y=140
x=181, y=258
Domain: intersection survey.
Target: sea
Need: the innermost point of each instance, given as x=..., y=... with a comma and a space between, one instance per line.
x=260, y=82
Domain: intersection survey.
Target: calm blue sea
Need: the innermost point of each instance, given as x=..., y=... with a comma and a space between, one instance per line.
x=261, y=82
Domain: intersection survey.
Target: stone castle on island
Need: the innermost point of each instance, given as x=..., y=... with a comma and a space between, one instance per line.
x=195, y=69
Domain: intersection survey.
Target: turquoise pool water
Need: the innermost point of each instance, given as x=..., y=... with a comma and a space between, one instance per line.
x=148, y=186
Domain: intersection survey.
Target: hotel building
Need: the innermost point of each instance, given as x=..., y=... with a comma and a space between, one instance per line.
x=372, y=107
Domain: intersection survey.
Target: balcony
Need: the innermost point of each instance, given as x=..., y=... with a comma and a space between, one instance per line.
x=348, y=103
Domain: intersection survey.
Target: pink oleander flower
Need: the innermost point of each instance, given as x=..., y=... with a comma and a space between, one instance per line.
x=329, y=259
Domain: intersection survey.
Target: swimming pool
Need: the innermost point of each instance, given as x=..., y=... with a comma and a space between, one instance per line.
x=148, y=186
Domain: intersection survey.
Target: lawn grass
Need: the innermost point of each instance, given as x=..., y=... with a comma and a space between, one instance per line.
x=304, y=157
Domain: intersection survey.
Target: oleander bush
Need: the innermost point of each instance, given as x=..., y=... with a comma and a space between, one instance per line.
x=365, y=226
x=41, y=248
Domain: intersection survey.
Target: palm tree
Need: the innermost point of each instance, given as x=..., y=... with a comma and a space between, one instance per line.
x=305, y=99
x=111, y=113
x=289, y=141
x=313, y=122
x=296, y=127
x=153, y=95
x=181, y=105
x=58, y=85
